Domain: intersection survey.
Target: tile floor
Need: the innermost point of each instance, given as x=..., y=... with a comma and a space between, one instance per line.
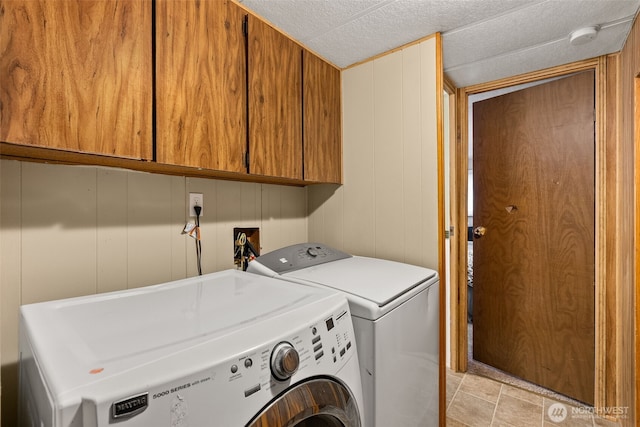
x=474, y=400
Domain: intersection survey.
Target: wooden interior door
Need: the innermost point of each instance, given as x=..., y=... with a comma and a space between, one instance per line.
x=534, y=267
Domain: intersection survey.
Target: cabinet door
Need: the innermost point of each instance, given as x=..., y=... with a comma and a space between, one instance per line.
x=201, y=85
x=76, y=75
x=275, y=102
x=322, y=121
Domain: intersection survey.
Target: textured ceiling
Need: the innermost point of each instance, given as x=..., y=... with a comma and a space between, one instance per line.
x=482, y=40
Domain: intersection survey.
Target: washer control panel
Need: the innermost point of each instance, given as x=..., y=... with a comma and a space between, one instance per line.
x=297, y=257
x=319, y=348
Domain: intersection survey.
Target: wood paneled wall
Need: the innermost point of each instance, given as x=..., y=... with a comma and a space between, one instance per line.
x=67, y=231
x=628, y=223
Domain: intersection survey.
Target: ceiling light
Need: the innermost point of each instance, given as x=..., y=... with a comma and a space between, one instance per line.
x=583, y=35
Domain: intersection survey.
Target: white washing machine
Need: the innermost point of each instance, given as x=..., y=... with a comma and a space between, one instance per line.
x=225, y=349
x=395, y=316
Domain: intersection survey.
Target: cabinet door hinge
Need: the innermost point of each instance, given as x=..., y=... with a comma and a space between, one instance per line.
x=246, y=160
x=245, y=25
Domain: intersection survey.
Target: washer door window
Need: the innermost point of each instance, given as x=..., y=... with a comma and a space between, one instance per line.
x=315, y=403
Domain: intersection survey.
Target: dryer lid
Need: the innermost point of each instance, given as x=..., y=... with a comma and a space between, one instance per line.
x=372, y=285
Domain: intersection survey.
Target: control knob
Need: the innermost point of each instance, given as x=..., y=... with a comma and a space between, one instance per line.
x=312, y=252
x=284, y=361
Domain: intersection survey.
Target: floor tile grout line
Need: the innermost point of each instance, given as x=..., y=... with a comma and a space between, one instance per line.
x=495, y=408
x=461, y=422
x=458, y=391
x=453, y=397
x=455, y=393
x=524, y=400
x=477, y=397
x=482, y=378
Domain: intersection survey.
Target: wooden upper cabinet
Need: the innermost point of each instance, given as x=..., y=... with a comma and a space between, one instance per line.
x=275, y=102
x=76, y=75
x=201, y=85
x=232, y=94
x=322, y=121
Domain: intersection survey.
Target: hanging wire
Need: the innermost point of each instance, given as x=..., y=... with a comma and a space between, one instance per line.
x=198, y=241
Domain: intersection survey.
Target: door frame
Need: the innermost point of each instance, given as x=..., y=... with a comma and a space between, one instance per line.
x=605, y=348
x=451, y=241
x=636, y=125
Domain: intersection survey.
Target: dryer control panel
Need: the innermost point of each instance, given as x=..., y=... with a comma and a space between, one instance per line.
x=295, y=257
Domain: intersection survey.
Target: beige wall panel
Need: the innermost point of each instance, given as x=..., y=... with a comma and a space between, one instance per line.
x=314, y=212
x=336, y=233
x=293, y=215
x=284, y=218
x=237, y=205
x=388, y=205
x=319, y=198
x=429, y=97
x=10, y=274
x=333, y=209
x=111, y=257
x=270, y=227
x=149, y=229
x=413, y=227
x=208, y=226
x=251, y=202
x=178, y=219
x=388, y=157
x=358, y=154
x=58, y=232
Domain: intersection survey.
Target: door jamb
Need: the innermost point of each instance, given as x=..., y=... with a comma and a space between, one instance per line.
x=450, y=169
x=459, y=357
x=636, y=124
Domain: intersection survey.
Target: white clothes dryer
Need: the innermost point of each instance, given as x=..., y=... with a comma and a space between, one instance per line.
x=395, y=316
x=225, y=349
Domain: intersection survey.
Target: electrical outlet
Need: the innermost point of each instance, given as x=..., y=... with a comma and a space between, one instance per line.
x=196, y=199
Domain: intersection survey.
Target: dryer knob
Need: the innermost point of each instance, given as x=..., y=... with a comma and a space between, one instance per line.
x=284, y=361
